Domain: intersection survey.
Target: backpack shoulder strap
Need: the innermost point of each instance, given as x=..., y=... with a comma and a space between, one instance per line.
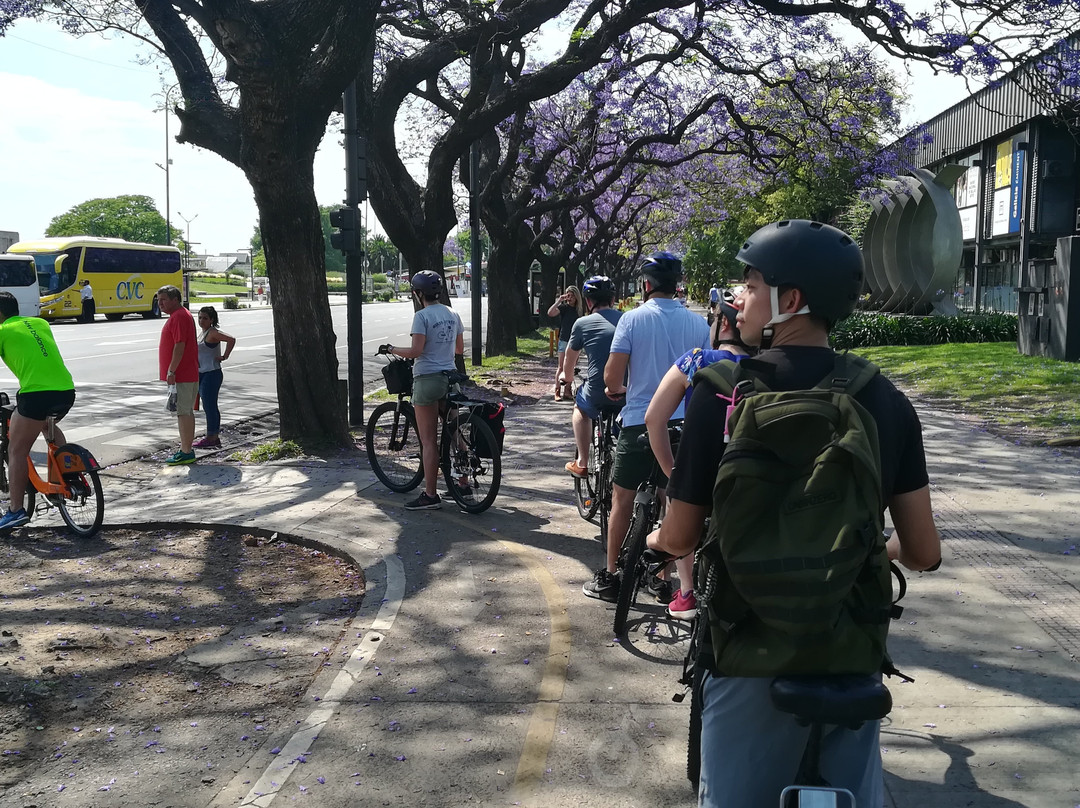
x=720, y=375
x=727, y=375
x=850, y=374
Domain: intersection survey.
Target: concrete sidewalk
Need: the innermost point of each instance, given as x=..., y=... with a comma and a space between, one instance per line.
x=480, y=674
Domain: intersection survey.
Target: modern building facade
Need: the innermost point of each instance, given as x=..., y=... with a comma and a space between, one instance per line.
x=1018, y=191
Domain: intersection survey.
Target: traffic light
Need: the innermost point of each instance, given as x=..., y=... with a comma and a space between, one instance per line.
x=346, y=220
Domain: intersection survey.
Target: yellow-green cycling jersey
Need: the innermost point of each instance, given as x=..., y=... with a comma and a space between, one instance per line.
x=29, y=350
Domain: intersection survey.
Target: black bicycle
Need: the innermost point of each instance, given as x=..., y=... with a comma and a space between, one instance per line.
x=637, y=573
x=592, y=493
x=469, y=454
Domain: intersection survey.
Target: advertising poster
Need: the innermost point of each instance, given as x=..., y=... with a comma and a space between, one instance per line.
x=1008, y=174
x=967, y=198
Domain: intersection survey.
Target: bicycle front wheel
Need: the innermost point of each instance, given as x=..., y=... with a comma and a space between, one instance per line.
x=471, y=464
x=633, y=547
x=82, y=505
x=587, y=489
x=393, y=446
x=29, y=498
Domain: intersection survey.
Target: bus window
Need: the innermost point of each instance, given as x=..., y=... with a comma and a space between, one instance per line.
x=16, y=273
x=49, y=280
x=106, y=259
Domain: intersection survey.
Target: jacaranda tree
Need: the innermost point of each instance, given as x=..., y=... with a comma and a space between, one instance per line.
x=259, y=81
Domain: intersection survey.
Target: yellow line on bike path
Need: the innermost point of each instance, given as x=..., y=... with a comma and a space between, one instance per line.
x=541, y=727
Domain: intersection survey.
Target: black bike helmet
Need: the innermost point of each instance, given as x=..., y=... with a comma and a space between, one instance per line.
x=427, y=283
x=664, y=270
x=729, y=313
x=822, y=261
x=599, y=289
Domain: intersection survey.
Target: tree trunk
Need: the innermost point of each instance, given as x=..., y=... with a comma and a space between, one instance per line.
x=501, y=329
x=549, y=289
x=520, y=305
x=310, y=396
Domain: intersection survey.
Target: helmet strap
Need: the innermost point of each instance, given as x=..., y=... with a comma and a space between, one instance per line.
x=777, y=317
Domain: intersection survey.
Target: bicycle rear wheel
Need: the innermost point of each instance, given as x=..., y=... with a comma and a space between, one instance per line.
x=693, y=741
x=605, y=465
x=82, y=506
x=471, y=464
x=393, y=446
x=632, y=577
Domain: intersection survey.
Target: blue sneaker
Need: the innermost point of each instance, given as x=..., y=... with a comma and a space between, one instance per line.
x=14, y=519
x=181, y=458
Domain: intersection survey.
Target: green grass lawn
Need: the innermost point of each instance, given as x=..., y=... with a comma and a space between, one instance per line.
x=530, y=345
x=209, y=287
x=991, y=380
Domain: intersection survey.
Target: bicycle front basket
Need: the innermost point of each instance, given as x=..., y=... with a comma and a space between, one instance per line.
x=399, y=377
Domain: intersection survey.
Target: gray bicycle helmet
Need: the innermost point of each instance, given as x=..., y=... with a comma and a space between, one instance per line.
x=819, y=259
x=664, y=270
x=599, y=289
x=426, y=282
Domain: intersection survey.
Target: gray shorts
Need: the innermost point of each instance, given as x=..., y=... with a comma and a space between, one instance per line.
x=185, y=397
x=742, y=733
x=428, y=388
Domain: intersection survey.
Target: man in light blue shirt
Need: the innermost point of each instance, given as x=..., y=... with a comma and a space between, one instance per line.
x=646, y=344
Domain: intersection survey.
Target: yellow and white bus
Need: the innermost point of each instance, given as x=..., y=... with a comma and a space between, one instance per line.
x=124, y=275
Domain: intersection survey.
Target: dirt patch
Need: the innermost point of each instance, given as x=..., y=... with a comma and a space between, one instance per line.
x=150, y=663
x=530, y=381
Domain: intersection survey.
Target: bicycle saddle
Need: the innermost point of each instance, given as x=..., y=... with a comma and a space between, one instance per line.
x=847, y=700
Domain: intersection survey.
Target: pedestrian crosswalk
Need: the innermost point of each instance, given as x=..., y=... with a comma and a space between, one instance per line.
x=119, y=421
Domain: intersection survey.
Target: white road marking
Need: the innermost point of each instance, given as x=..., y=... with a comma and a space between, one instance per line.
x=268, y=786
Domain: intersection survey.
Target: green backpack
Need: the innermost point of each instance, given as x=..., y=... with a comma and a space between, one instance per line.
x=793, y=571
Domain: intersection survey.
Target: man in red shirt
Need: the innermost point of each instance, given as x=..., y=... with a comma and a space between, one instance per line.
x=178, y=364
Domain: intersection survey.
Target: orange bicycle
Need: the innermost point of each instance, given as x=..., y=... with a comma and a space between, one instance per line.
x=71, y=485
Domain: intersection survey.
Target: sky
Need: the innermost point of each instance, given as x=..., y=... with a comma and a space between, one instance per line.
x=80, y=120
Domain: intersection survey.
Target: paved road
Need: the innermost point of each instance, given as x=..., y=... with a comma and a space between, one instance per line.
x=119, y=412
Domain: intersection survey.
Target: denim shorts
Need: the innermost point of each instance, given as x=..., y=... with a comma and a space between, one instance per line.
x=428, y=388
x=562, y=345
x=590, y=409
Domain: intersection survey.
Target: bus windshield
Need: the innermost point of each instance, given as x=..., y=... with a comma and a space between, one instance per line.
x=49, y=281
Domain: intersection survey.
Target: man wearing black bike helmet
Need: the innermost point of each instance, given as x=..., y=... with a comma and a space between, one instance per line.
x=437, y=336
x=647, y=341
x=591, y=333
x=801, y=277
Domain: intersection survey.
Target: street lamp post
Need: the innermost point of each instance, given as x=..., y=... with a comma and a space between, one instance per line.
x=187, y=236
x=168, y=162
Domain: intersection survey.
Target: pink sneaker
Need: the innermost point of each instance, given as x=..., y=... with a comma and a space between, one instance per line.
x=207, y=443
x=683, y=606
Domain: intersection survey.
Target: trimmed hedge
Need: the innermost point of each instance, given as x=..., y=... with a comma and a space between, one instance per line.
x=863, y=329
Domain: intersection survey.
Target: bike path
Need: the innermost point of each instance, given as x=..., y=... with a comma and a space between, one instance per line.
x=477, y=673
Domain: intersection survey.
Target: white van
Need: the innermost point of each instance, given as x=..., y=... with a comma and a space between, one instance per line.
x=18, y=275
